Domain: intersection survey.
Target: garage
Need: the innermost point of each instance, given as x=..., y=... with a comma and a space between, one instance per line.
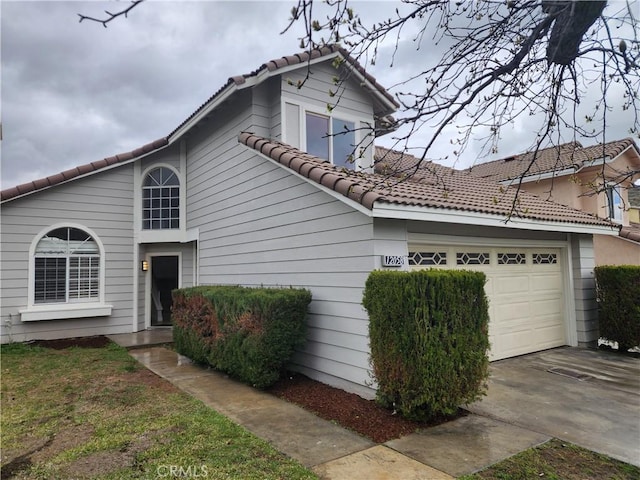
x=525, y=290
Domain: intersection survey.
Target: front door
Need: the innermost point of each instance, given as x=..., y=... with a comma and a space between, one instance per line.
x=164, y=279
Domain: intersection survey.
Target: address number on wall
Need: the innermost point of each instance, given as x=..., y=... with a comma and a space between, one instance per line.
x=392, y=260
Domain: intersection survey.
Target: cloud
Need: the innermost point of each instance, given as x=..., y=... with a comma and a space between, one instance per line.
x=75, y=92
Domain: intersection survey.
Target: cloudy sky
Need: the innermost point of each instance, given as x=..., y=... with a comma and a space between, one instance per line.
x=76, y=92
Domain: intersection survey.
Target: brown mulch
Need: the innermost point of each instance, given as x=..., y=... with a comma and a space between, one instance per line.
x=349, y=410
x=98, y=341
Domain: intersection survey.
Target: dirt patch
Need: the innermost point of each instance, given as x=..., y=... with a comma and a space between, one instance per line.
x=349, y=410
x=98, y=341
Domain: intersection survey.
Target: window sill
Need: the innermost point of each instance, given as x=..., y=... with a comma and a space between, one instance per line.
x=65, y=311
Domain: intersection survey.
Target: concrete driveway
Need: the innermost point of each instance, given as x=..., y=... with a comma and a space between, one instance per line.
x=587, y=397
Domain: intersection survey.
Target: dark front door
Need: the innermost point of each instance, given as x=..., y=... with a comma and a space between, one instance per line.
x=164, y=279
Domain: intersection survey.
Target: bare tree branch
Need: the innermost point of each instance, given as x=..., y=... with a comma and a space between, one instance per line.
x=111, y=16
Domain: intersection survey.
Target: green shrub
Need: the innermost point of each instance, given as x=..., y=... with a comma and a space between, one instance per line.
x=429, y=339
x=618, y=295
x=249, y=333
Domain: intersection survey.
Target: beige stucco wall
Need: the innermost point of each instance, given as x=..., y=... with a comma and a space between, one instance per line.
x=634, y=214
x=577, y=191
x=610, y=250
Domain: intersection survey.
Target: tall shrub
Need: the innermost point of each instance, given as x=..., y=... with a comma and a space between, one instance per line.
x=429, y=339
x=618, y=295
x=246, y=332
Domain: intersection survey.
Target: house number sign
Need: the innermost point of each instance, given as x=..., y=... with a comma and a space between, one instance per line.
x=392, y=260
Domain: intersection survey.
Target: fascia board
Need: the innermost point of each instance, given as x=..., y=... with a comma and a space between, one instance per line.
x=430, y=214
x=540, y=176
x=221, y=97
x=370, y=86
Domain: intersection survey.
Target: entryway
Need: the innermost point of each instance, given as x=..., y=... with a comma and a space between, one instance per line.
x=164, y=279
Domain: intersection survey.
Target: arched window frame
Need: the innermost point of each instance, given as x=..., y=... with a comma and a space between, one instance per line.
x=32, y=270
x=179, y=197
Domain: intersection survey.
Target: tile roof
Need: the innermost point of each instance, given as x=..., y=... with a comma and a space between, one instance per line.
x=72, y=173
x=631, y=232
x=566, y=156
x=296, y=59
x=271, y=66
x=432, y=185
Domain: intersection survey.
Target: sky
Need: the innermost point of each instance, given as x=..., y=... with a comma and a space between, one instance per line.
x=73, y=93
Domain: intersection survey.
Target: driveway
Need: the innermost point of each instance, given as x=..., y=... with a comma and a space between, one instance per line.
x=587, y=397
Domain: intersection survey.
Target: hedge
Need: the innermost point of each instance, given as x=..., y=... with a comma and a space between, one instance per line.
x=618, y=296
x=429, y=339
x=249, y=333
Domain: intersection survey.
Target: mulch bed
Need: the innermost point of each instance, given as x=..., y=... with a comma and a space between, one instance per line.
x=349, y=410
x=98, y=341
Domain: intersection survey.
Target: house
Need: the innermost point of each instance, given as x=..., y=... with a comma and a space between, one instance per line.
x=571, y=174
x=250, y=190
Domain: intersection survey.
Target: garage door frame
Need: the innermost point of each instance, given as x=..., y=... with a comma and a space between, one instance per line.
x=571, y=334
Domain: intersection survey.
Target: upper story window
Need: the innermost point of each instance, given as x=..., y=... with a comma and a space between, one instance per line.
x=331, y=138
x=161, y=200
x=67, y=267
x=615, y=204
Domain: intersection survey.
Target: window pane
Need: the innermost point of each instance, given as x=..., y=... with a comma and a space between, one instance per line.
x=50, y=280
x=344, y=143
x=318, y=136
x=162, y=187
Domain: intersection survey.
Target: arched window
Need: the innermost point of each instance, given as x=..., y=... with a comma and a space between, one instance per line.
x=66, y=267
x=161, y=200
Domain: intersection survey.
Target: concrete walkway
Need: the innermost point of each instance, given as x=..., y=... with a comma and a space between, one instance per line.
x=456, y=448
x=586, y=397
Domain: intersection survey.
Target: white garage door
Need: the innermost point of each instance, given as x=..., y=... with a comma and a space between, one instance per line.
x=524, y=287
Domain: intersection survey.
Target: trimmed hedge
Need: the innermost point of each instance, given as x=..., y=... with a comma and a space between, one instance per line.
x=249, y=333
x=618, y=295
x=429, y=339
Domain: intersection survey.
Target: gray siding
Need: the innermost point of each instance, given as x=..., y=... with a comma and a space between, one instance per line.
x=101, y=203
x=583, y=262
x=261, y=225
x=349, y=97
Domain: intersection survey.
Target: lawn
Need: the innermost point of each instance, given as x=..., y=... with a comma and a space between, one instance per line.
x=96, y=413
x=557, y=460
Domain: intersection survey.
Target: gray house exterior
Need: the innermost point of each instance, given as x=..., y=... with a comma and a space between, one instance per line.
x=245, y=191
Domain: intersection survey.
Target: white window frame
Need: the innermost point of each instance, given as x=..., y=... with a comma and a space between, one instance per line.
x=142, y=187
x=615, y=211
x=77, y=308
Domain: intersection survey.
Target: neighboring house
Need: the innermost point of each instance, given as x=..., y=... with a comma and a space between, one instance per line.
x=571, y=174
x=634, y=205
x=231, y=197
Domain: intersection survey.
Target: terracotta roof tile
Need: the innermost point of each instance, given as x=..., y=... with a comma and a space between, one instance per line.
x=566, y=156
x=432, y=185
x=72, y=173
x=632, y=232
x=296, y=59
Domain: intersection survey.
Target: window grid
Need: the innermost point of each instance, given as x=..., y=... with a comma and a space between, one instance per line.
x=427, y=258
x=161, y=200
x=66, y=267
x=472, y=258
x=83, y=277
x=511, y=258
x=50, y=280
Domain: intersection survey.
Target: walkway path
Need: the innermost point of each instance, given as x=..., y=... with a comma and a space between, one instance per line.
x=332, y=452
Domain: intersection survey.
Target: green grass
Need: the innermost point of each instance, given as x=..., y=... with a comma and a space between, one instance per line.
x=557, y=460
x=95, y=413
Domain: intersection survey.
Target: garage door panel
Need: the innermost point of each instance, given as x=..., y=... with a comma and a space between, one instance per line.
x=525, y=292
x=545, y=283
x=511, y=284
